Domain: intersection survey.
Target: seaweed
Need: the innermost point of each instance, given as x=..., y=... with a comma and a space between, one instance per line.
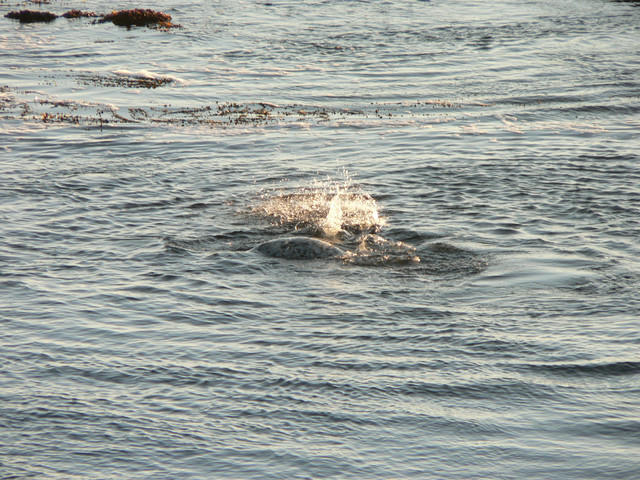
x=78, y=14
x=138, y=17
x=31, y=16
x=123, y=18
x=125, y=81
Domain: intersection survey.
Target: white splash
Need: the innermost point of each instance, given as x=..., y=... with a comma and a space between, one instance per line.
x=326, y=209
x=344, y=216
x=332, y=224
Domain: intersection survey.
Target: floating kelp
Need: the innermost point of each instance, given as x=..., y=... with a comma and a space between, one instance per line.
x=138, y=17
x=78, y=14
x=125, y=80
x=22, y=105
x=124, y=18
x=32, y=16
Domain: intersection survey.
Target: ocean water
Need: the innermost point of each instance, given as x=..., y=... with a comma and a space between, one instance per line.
x=476, y=163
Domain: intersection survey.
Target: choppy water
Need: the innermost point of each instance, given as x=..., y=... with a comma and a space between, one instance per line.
x=477, y=162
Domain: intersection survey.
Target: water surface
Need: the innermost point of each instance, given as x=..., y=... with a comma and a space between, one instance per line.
x=477, y=162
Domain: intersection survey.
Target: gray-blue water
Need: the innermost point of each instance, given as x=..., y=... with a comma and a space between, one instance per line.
x=478, y=163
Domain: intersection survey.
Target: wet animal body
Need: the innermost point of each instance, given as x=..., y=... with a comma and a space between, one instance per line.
x=299, y=248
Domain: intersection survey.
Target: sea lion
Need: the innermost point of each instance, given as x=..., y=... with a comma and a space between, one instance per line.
x=299, y=248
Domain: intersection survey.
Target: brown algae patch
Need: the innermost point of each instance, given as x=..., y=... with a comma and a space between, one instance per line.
x=32, y=16
x=22, y=105
x=123, y=18
x=138, y=17
x=125, y=81
x=78, y=14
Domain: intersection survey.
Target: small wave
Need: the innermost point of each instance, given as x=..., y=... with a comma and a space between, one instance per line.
x=485, y=390
x=128, y=79
x=232, y=240
x=374, y=250
x=145, y=74
x=588, y=369
x=441, y=258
